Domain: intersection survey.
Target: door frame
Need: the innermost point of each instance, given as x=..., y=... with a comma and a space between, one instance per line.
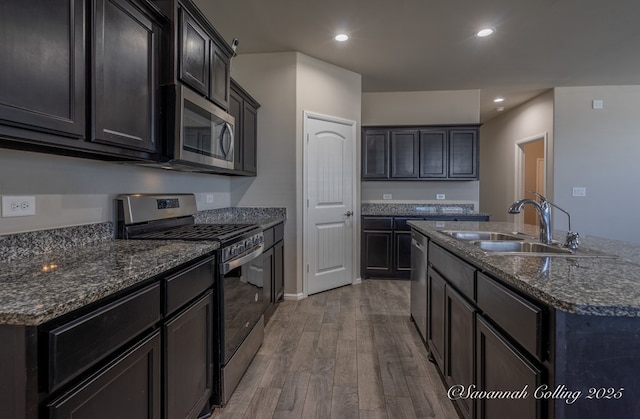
x=519, y=192
x=307, y=115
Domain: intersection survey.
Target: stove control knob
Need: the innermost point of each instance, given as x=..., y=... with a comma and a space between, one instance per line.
x=240, y=247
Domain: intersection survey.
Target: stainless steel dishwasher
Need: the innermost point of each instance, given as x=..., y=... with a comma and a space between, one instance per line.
x=419, y=246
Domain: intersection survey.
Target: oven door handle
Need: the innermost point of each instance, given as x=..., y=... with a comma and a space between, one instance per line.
x=234, y=263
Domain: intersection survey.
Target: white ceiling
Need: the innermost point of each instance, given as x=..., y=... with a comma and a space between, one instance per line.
x=414, y=45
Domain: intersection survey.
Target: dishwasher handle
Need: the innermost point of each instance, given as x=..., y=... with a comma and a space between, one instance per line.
x=417, y=244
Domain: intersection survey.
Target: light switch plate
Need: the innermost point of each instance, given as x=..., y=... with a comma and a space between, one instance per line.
x=579, y=191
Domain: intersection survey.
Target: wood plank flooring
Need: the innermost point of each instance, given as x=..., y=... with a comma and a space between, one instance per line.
x=352, y=352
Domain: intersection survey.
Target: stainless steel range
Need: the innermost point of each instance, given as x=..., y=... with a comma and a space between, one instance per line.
x=241, y=293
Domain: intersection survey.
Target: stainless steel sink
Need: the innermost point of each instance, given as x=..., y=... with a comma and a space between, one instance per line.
x=481, y=235
x=528, y=248
x=520, y=247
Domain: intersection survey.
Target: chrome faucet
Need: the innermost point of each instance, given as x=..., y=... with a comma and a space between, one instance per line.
x=544, y=214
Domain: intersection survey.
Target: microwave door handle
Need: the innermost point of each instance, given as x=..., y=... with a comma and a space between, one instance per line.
x=227, y=128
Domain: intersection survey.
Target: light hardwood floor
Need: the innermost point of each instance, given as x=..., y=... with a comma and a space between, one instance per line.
x=352, y=352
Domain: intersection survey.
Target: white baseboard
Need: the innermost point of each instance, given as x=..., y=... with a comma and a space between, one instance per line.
x=357, y=281
x=293, y=297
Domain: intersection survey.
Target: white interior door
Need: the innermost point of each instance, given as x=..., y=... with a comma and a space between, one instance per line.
x=329, y=192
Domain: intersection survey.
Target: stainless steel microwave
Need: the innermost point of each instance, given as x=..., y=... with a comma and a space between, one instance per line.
x=202, y=133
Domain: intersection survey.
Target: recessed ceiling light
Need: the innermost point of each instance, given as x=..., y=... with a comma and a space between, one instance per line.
x=498, y=99
x=341, y=37
x=485, y=32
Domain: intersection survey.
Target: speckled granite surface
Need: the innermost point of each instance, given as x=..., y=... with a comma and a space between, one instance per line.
x=594, y=286
x=418, y=209
x=265, y=217
x=15, y=246
x=41, y=287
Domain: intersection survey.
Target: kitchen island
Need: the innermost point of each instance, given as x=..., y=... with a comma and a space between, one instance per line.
x=532, y=336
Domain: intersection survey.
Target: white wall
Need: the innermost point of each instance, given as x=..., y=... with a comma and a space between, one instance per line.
x=599, y=150
x=72, y=191
x=498, y=137
x=286, y=84
x=422, y=108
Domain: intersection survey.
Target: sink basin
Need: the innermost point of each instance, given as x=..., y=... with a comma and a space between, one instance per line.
x=535, y=249
x=481, y=235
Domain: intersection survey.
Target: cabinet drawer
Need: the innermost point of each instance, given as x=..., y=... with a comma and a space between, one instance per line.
x=377, y=223
x=269, y=237
x=77, y=345
x=400, y=223
x=456, y=271
x=278, y=232
x=515, y=315
x=187, y=284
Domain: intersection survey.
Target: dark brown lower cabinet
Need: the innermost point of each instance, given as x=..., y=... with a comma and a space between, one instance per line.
x=459, y=348
x=378, y=248
x=188, y=378
x=402, y=246
x=436, y=316
x=128, y=387
x=501, y=367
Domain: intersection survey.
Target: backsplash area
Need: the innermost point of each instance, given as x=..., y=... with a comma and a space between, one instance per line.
x=417, y=208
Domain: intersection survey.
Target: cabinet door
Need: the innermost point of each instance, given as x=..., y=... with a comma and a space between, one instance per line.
x=278, y=271
x=126, y=76
x=499, y=366
x=404, y=154
x=375, y=154
x=42, y=82
x=463, y=153
x=194, y=56
x=219, y=77
x=249, y=138
x=402, y=258
x=129, y=387
x=377, y=253
x=433, y=154
x=460, y=339
x=436, y=316
x=235, y=109
x=268, y=277
x=189, y=351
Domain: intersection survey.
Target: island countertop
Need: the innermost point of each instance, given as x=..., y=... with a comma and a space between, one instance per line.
x=585, y=285
x=40, y=287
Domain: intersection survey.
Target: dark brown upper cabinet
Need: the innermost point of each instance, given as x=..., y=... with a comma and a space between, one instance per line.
x=220, y=76
x=203, y=56
x=194, y=57
x=127, y=81
x=42, y=82
x=375, y=154
x=244, y=109
x=404, y=153
x=433, y=153
x=420, y=153
x=463, y=153
x=82, y=77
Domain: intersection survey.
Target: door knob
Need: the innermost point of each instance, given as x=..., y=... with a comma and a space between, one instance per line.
x=348, y=213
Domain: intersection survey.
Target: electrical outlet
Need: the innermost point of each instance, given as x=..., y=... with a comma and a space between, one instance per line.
x=18, y=206
x=209, y=198
x=440, y=196
x=579, y=191
x=386, y=196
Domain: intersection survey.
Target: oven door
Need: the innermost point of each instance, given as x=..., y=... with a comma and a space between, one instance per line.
x=205, y=132
x=244, y=300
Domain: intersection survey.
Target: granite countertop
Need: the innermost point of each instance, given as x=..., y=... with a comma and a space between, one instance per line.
x=417, y=209
x=41, y=287
x=264, y=217
x=585, y=285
